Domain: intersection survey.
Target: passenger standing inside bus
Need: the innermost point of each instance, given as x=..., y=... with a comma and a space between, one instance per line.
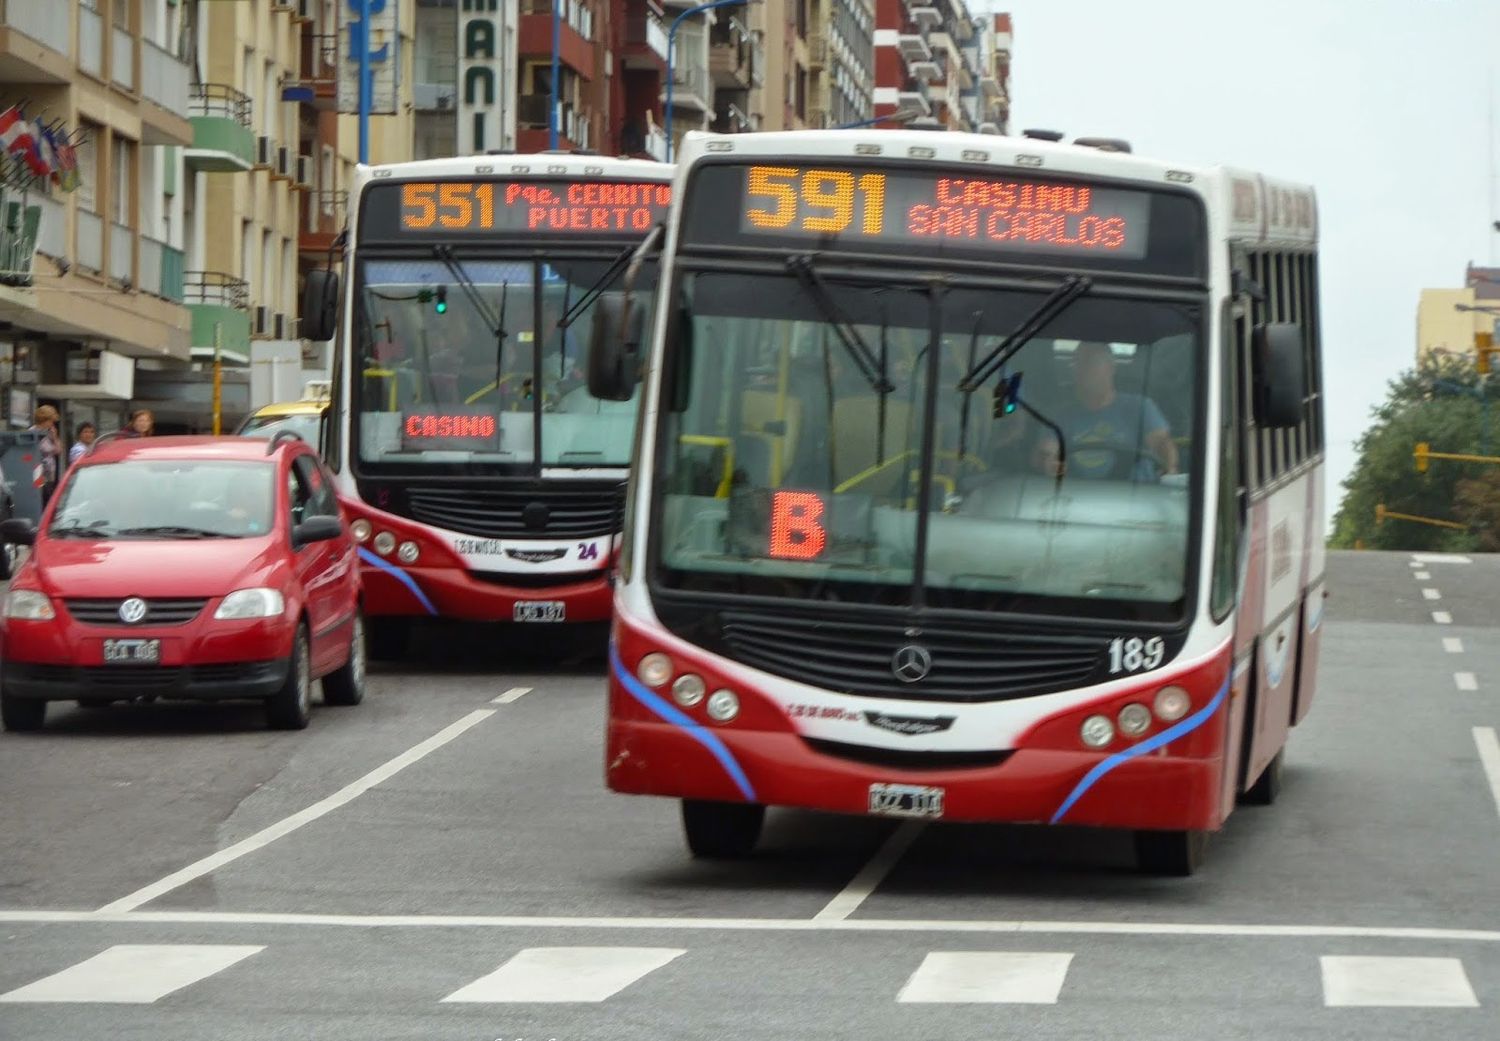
x=1109, y=434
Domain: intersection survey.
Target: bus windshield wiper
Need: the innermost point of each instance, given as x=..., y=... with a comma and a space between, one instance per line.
x=494, y=322
x=1057, y=301
x=854, y=344
x=603, y=282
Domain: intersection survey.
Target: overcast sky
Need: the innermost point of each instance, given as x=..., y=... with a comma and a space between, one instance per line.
x=1384, y=106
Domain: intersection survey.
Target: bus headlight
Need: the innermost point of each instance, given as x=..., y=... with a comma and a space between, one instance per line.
x=407, y=554
x=361, y=530
x=384, y=543
x=1134, y=720
x=688, y=690
x=1097, y=731
x=723, y=705
x=654, y=669
x=1172, y=703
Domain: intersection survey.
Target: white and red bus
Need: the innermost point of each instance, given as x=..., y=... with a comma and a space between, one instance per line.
x=483, y=480
x=978, y=479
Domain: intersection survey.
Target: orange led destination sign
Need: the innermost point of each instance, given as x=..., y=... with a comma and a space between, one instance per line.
x=575, y=208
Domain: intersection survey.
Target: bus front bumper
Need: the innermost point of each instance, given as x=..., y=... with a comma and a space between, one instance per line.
x=454, y=592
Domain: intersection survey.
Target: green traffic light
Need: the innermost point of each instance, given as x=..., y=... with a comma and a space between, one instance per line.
x=441, y=307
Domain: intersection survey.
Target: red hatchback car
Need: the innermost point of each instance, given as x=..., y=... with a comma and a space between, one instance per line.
x=203, y=568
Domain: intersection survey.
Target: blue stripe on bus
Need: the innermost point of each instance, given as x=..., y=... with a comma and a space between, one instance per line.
x=400, y=576
x=1151, y=744
x=667, y=711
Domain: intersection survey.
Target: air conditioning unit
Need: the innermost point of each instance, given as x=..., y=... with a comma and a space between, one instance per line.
x=281, y=327
x=444, y=102
x=307, y=170
x=265, y=151
x=285, y=162
x=261, y=325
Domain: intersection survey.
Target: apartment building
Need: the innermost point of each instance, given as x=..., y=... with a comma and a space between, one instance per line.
x=938, y=66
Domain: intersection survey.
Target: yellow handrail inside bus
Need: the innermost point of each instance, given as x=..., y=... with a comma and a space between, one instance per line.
x=875, y=470
x=721, y=492
x=387, y=374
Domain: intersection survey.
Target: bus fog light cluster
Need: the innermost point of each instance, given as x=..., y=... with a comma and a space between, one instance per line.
x=408, y=552
x=723, y=705
x=384, y=543
x=654, y=669
x=1134, y=720
x=1172, y=703
x=1097, y=731
x=361, y=530
x=688, y=690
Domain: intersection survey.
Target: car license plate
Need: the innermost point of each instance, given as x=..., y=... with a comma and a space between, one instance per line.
x=132, y=652
x=540, y=611
x=906, y=800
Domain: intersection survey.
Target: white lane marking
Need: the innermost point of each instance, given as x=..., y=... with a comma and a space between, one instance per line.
x=1453, y=645
x=135, y=974
x=1431, y=594
x=1489, y=758
x=1440, y=558
x=871, y=875
x=1442, y=618
x=1365, y=982
x=287, y=825
x=1012, y=978
x=1414, y=563
x=790, y=925
x=514, y=694
x=566, y=974
x=1465, y=681
x=1422, y=576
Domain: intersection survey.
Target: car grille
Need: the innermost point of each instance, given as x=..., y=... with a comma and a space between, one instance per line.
x=145, y=678
x=158, y=612
x=521, y=513
x=856, y=656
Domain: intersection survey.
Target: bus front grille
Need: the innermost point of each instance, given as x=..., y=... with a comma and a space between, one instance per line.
x=526, y=513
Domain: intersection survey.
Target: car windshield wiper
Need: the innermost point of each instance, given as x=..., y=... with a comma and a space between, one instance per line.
x=1056, y=303
x=176, y=529
x=854, y=344
x=92, y=530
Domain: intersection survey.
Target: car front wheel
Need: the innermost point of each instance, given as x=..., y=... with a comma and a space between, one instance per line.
x=22, y=714
x=290, y=708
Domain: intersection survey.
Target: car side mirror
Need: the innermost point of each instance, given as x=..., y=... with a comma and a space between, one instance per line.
x=316, y=529
x=320, y=305
x=1280, y=375
x=18, y=530
x=615, y=347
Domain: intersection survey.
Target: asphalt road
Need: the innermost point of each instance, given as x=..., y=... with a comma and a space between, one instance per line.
x=442, y=862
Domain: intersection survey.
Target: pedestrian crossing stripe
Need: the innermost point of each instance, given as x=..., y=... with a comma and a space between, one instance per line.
x=133, y=974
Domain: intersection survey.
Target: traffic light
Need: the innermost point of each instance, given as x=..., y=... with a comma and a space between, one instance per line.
x=1420, y=455
x=441, y=306
x=1007, y=395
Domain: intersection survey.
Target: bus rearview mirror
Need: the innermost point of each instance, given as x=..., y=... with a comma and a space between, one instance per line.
x=615, y=347
x=320, y=305
x=1280, y=375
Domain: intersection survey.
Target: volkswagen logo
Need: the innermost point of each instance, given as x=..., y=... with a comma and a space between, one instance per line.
x=911, y=663
x=132, y=610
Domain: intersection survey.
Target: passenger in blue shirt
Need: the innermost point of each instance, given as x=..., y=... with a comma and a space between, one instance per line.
x=1110, y=434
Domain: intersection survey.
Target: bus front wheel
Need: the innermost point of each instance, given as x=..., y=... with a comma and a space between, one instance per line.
x=1178, y=853
x=721, y=830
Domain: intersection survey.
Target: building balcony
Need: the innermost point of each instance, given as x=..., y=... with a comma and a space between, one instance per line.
x=317, y=72
x=925, y=15
x=36, y=41
x=436, y=87
x=914, y=47
x=218, y=303
x=645, y=39
x=90, y=252
x=534, y=132
x=730, y=118
x=817, y=50
x=990, y=85
x=914, y=99
x=222, y=141
x=736, y=59
x=939, y=40
x=691, y=88
x=324, y=214
x=576, y=48
x=925, y=70
x=655, y=144
x=19, y=237
x=161, y=270
x=121, y=253
x=166, y=82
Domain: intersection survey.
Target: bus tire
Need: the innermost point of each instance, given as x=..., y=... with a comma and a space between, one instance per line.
x=721, y=830
x=1174, y=853
x=387, y=639
x=1266, y=789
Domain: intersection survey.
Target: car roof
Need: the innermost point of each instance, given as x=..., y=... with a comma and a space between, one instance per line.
x=197, y=447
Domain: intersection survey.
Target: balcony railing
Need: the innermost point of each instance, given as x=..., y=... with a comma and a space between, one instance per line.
x=90, y=241
x=690, y=85
x=320, y=57
x=49, y=24
x=161, y=269
x=52, y=236
x=218, y=101
x=165, y=78
x=323, y=211
x=121, y=252
x=122, y=59
x=90, y=41
x=656, y=143
x=437, y=68
x=644, y=28
x=573, y=13
x=217, y=289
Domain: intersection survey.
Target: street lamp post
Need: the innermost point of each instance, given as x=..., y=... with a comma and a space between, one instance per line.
x=672, y=53
x=904, y=115
x=556, y=101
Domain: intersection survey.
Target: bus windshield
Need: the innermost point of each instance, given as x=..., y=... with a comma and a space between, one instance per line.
x=796, y=467
x=449, y=373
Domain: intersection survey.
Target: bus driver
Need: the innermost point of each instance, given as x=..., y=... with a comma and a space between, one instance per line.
x=1110, y=434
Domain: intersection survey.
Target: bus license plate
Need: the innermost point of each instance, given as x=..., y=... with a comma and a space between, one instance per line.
x=540, y=611
x=906, y=800
x=132, y=652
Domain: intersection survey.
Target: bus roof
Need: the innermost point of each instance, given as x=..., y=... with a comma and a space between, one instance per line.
x=534, y=164
x=1245, y=207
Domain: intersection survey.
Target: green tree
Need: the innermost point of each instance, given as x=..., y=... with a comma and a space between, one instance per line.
x=1437, y=404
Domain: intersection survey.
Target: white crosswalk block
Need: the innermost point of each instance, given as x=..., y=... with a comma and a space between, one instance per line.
x=133, y=973
x=566, y=974
x=1350, y=982
x=1013, y=978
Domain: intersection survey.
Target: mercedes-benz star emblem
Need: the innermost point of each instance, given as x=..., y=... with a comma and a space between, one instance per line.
x=132, y=610
x=911, y=663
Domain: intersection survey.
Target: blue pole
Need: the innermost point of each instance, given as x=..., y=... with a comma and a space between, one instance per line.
x=556, y=46
x=672, y=53
x=362, y=41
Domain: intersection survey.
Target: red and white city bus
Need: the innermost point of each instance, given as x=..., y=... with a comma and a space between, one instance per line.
x=483, y=480
x=978, y=479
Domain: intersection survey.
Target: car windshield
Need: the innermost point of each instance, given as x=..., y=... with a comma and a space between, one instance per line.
x=305, y=427
x=795, y=468
x=166, y=499
x=450, y=375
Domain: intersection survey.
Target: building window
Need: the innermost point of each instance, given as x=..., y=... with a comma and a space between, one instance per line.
x=269, y=283
x=88, y=168
x=122, y=178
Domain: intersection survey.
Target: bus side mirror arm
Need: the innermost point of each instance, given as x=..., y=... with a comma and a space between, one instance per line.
x=1280, y=375
x=618, y=329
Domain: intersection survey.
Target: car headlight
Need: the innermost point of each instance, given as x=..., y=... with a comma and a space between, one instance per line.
x=251, y=603
x=30, y=605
